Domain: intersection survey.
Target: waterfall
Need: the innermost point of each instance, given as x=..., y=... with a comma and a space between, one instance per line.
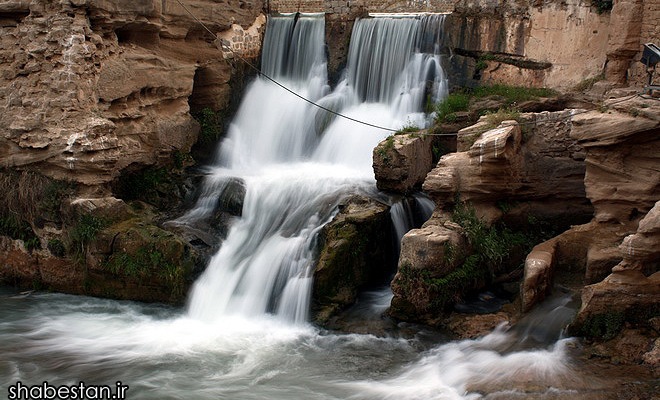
x=410, y=212
x=298, y=162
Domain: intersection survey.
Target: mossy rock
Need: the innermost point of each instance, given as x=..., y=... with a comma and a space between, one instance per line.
x=137, y=260
x=356, y=249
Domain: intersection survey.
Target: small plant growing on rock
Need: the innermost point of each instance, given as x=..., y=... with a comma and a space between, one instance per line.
x=83, y=233
x=503, y=114
x=210, y=123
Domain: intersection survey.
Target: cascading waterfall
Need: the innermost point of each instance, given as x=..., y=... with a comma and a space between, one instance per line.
x=236, y=339
x=298, y=161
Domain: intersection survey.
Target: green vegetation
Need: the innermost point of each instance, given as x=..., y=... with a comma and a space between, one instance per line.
x=56, y=247
x=512, y=94
x=17, y=228
x=145, y=262
x=588, y=83
x=491, y=244
x=446, y=110
x=408, y=128
x=152, y=185
x=509, y=95
x=28, y=200
x=603, y=326
x=83, y=233
x=494, y=119
x=491, y=250
x=210, y=123
x=383, y=151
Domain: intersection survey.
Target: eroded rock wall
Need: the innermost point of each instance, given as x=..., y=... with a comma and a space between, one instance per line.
x=519, y=173
x=91, y=87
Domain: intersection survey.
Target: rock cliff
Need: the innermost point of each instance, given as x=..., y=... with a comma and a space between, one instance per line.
x=92, y=87
x=97, y=102
x=550, y=43
x=519, y=175
x=562, y=167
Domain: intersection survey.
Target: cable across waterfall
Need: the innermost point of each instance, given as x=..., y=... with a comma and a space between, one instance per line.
x=298, y=161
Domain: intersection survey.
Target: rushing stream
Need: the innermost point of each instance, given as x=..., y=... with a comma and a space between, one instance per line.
x=244, y=333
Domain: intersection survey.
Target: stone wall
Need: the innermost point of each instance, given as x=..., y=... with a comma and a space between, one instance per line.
x=346, y=8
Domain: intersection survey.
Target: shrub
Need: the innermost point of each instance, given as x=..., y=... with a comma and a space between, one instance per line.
x=84, y=232
x=56, y=248
x=494, y=119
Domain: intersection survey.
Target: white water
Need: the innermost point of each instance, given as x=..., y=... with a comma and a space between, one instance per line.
x=298, y=161
x=164, y=354
x=243, y=335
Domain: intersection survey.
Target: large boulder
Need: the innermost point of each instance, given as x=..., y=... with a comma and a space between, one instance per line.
x=428, y=256
x=356, y=249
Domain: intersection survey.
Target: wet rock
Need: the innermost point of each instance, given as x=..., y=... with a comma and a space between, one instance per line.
x=355, y=249
x=427, y=254
x=539, y=274
x=624, y=296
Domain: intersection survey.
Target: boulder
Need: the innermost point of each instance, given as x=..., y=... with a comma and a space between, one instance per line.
x=624, y=296
x=427, y=255
x=355, y=249
x=402, y=161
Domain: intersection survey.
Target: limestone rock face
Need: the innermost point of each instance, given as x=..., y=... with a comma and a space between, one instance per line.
x=641, y=250
x=623, y=296
x=570, y=37
x=622, y=179
x=402, y=161
x=635, y=295
x=91, y=87
x=501, y=172
x=539, y=270
x=498, y=171
x=490, y=165
x=624, y=38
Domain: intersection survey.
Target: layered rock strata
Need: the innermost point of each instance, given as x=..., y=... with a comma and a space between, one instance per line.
x=617, y=250
x=516, y=173
x=94, y=92
x=91, y=87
